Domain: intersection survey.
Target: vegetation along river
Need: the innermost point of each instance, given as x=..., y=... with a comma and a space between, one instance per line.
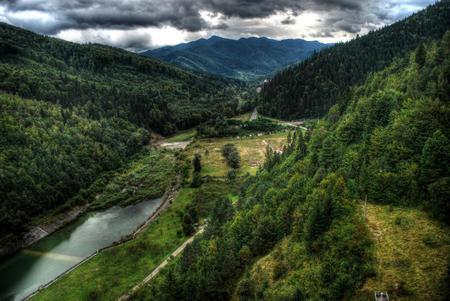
x=26, y=271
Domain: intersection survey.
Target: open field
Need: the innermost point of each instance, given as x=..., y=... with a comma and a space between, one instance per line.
x=145, y=178
x=412, y=253
x=181, y=136
x=243, y=117
x=251, y=149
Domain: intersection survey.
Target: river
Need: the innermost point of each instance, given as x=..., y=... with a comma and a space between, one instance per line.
x=27, y=270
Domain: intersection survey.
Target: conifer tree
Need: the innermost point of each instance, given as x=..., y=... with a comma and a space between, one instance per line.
x=420, y=55
x=435, y=161
x=196, y=162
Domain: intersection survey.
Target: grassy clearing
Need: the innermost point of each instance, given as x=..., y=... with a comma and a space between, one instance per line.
x=412, y=253
x=243, y=117
x=115, y=271
x=251, y=149
x=145, y=178
x=182, y=136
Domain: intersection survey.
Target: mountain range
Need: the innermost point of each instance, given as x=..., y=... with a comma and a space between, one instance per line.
x=246, y=58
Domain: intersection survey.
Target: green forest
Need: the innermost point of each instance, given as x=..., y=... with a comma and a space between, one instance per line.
x=101, y=104
x=312, y=87
x=386, y=144
x=48, y=154
x=350, y=198
x=102, y=81
x=71, y=112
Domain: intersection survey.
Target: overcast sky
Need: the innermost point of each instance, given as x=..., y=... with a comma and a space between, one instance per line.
x=142, y=24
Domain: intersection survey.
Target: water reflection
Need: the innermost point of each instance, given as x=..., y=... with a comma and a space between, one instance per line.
x=26, y=271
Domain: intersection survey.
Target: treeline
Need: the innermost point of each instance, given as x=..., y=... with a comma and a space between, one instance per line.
x=312, y=87
x=221, y=127
x=108, y=82
x=47, y=154
x=297, y=232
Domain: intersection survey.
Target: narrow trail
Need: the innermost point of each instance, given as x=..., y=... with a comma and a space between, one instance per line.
x=158, y=269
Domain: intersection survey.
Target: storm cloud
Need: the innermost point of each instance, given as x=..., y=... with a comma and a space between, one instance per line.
x=339, y=18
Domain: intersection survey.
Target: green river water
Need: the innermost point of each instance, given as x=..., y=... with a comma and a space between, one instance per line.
x=26, y=271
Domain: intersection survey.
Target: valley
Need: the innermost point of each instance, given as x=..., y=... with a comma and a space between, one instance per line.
x=241, y=168
x=130, y=262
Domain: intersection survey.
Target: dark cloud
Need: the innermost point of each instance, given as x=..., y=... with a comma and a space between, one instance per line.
x=182, y=14
x=336, y=16
x=336, y=4
x=322, y=34
x=251, y=8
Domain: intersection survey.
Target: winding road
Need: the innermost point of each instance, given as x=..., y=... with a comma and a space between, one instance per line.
x=158, y=269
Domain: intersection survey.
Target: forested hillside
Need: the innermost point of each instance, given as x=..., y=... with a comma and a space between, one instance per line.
x=105, y=81
x=70, y=112
x=316, y=84
x=47, y=154
x=246, y=58
x=300, y=230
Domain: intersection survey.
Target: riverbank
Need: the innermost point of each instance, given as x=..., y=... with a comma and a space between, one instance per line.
x=147, y=176
x=167, y=199
x=116, y=270
x=37, y=233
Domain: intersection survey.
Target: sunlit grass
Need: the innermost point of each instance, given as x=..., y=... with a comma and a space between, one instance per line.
x=411, y=253
x=182, y=136
x=145, y=178
x=251, y=149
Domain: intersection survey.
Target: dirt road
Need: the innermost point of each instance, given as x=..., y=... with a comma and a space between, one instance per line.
x=160, y=267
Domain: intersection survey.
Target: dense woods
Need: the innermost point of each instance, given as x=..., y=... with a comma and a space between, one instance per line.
x=70, y=112
x=313, y=86
x=104, y=81
x=48, y=154
x=297, y=232
x=76, y=122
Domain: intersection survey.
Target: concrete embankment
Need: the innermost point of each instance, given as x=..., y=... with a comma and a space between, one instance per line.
x=12, y=245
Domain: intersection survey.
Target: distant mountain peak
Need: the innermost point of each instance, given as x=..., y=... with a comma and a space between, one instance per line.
x=214, y=37
x=247, y=58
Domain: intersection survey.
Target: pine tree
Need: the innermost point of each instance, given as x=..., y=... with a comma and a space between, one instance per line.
x=435, y=161
x=196, y=162
x=421, y=55
x=301, y=145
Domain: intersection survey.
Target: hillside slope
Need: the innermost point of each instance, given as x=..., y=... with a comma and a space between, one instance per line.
x=48, y=154
x=106, y=81
x=312, y=87
x=246, y=58
x=71, y=112
x=298, y=231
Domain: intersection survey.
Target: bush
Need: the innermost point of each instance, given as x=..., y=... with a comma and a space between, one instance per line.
x=196, y=180
x=231, y=175
x=231, y=155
